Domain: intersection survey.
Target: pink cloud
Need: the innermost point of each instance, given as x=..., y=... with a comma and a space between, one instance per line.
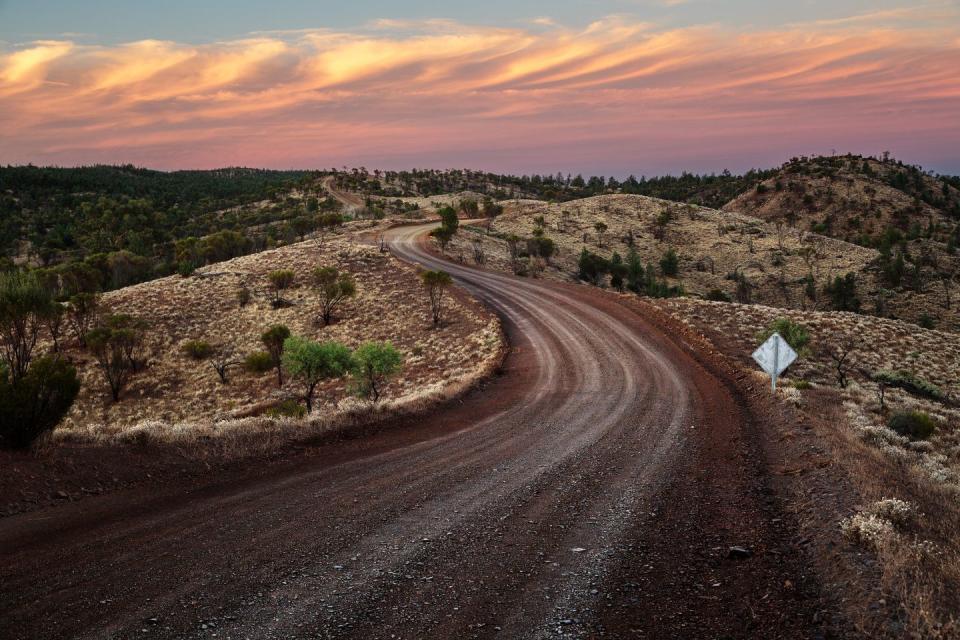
x=616, y=94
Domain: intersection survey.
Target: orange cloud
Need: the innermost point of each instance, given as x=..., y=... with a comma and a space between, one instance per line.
x=440, y=92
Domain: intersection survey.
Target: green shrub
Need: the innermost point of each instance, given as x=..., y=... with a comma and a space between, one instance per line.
x=717, y=295
x=198, y=349
x=927, y=322
x=243, y=296
x=905, y=380
x=796, y=335
x=186, y=269
x=258, y=362
x=287, y=409
x=670, y=263
x=801, y=384
x=915, y=425
x=35, y=403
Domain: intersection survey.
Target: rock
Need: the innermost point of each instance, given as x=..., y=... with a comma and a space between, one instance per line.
x=578, y=549
x=739, y=553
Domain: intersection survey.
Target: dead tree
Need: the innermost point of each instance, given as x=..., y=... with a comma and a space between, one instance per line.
x=840, y=354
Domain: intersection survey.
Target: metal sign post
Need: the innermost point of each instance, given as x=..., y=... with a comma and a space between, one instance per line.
x=774, y=356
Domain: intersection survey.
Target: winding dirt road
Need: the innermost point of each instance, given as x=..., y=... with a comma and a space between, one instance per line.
x=592, y=489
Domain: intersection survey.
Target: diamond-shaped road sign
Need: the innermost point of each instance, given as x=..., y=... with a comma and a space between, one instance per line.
x=774, y=356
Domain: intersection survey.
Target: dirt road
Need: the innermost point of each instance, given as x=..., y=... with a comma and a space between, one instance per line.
x=593, y=489
x=350, y=200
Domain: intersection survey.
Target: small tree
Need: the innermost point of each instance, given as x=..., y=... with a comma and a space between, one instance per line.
x=443, y=235
x=333, y=288
x=24, y=305
x=243, y=296
x=280, y=281
x=843, y=293
x=82, y=313
x=134, y=343
x=670, y=263
x=326, y=224
x=840, y=354
x=617, y=272
x=55, y=320
x=221, y=360
x=110, y=348
x=37, y=402
x=373, y=364
x=601, y=228
x=794, y=334
x=273, y=339
x=436, y=282
x=313, y=362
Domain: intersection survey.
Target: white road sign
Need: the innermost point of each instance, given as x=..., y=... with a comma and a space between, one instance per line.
x=774, y=356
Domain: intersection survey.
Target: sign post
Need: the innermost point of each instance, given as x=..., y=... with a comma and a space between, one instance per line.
x=774, y=356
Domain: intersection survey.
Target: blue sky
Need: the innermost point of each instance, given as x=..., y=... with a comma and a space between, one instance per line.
x=116, y=21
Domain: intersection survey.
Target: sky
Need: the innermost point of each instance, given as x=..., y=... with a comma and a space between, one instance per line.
x=607, y=87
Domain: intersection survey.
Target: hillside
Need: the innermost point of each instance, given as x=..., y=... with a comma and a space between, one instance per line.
x=176, y=395
x=719, y=254
x=856, y=199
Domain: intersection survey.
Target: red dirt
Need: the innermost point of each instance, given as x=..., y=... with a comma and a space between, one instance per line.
x=594, y=488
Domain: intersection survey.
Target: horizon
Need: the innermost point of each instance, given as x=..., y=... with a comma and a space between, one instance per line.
x=620, y=87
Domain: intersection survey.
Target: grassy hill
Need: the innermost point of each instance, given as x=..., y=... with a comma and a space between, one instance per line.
x=181, y=398
x=719, y=254
x=862, y=200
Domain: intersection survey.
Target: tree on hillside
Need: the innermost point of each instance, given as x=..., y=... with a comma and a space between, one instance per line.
x=591, y=267
x=273, y=339
x=82, y=313
x=111, y=348
x=222, y=359
x=374, y=363
x=313, y=362
x=280, y=281
x=24, y=306
x=843, y=293
x=36, y=402
x=670, y=263
x=601, y=228
x=436, y=282
x=635, y=273
x=333, y=288
x=54, y=323
x=326, y=224
x=617, y=272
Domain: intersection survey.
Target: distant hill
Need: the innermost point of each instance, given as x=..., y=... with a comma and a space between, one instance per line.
x=867, y=201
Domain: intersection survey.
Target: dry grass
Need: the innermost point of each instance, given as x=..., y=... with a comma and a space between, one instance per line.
x=911, y=489
x=179, y=399
x=775, y=258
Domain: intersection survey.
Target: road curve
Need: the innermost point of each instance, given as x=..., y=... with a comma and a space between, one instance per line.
x=593, y=489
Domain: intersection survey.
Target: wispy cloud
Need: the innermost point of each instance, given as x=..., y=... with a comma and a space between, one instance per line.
x=444, y=92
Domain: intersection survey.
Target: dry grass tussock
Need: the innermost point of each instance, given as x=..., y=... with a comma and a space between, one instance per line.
x=910, y=488
x=775, y=259
x=179, y=399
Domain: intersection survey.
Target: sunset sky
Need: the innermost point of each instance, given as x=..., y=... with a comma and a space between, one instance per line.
x=608, y=87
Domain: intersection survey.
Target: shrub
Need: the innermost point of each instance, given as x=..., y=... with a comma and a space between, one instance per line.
x=927, y=322
x=915, y=425
x=670, y=263
x=116, y=346
x=905, y=380
x=795, y=334
x=280, y=281
x=592, y=267
x=82, y=314
x=243, y=296
x=313, y=362
x=801, y=384
x=333, y=287
x=287, y=409
x=186, y=269
x=843, y=293
x=373, y=364
x=24, y=305
x=273, y=339
x=258, y=362
x=436, y=282
x=37, y=402
x=198, y=349
x=717, y=295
